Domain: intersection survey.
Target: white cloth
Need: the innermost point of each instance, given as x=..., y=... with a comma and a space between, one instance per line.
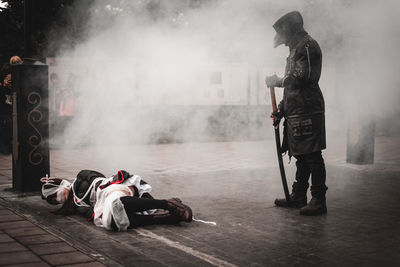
x=135, y=180
x=108, y=204
x=49, y=187
x=80, y=201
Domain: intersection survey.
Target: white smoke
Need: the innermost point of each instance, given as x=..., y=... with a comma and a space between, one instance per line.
x=142, y=57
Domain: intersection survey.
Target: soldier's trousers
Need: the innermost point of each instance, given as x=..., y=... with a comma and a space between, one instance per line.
x=5, y=134
x=311, y=164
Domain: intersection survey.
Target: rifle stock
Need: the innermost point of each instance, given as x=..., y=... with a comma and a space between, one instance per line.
x=273, y=99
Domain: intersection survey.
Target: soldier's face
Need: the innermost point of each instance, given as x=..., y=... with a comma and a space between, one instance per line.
x=7, y=81
x=62, y=196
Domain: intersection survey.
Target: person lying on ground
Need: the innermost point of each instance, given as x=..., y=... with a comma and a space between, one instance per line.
x=115, y=203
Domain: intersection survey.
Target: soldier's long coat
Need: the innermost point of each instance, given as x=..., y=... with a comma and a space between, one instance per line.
x=303, y=103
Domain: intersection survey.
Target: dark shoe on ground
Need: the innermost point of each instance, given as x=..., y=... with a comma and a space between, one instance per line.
x=177, y=208
x=297, y=202
x=314, y=207
x=164, y=217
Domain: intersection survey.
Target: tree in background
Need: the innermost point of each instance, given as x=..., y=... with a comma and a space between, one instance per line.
x=61, y=24
x=55, y=23
x=11, y=30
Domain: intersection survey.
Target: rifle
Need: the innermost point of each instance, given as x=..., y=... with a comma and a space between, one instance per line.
x=278, y=148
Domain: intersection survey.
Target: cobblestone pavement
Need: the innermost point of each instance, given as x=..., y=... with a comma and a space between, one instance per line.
x=25, y=243
x=233, y=184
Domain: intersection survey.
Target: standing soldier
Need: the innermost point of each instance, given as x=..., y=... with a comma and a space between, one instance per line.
x=5, y=110
x=303, y=108
x=6, y=105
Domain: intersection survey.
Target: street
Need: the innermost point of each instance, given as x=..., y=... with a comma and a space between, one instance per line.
x=234, y=185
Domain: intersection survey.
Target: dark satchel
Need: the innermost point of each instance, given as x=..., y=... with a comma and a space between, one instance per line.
x=83, y=180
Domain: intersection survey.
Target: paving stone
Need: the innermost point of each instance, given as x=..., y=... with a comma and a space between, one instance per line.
x=87, y=264
x=29, y=231
x=37, y=239
x=5, y=238
x=36, y=264
x=67, y=258
x=8, y=259
x=6, y=212
x=17, y=224
x=10, y=218
x=11, y=247
x=51, y=248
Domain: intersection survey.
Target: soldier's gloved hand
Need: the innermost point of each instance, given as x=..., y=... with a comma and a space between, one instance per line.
x=276, y=117
x=273, y=81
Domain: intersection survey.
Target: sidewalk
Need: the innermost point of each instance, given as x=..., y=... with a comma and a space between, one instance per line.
x=24, y=243
x=233, y=184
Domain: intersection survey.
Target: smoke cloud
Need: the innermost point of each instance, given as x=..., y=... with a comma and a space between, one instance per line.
x=144, y=65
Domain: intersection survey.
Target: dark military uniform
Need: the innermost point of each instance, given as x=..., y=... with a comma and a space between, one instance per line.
x=5, y=112
x=302, y=106
x=5, y=120
x=303, y=103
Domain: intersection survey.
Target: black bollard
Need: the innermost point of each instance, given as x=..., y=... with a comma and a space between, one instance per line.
x=30, y=125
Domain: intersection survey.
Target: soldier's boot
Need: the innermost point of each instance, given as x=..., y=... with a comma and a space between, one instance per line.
x=180, y=210
x=298, y=197
x=314, y=207
x=164, y=217
x=317, y=204
x=296, y=202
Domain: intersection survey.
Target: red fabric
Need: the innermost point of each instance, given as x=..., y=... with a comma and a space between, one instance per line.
x=120, y=180
x=91, y=217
